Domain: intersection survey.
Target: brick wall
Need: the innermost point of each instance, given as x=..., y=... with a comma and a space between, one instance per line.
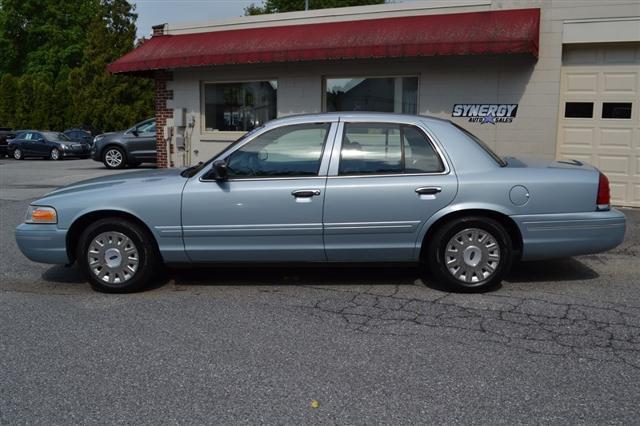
x=162, y=114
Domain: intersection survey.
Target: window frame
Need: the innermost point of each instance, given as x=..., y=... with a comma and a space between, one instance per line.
x=327, y=149
x=342, y=76
x=593, y=110
x=337, y=148
x=602, y=117
x=228, y=135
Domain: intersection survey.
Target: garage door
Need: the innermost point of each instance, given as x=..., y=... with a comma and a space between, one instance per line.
x=600, y=114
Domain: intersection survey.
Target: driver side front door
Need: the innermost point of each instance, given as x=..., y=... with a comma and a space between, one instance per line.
x=270, y=207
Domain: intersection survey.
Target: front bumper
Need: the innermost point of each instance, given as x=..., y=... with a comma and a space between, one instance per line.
x=43, y=243
x=548, y=236
x=78, y=152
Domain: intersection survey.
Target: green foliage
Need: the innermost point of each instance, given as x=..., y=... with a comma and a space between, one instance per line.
x=279, y=6
x=53, y=58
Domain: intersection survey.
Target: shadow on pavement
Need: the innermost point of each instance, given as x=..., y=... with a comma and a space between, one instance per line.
x=569, y=269
x=264, y=275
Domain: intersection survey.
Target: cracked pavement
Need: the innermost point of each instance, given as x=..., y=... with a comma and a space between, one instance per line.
x=558, y=342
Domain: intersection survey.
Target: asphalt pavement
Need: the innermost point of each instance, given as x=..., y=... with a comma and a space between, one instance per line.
x=559, y=342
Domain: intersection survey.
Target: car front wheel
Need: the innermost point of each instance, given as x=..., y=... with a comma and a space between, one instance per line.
x=114, y=158
x=17, y=154
x=470, y=254
x=54, y=154
x=117, y=256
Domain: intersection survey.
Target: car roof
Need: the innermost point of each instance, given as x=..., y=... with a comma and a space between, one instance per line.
x=332, y=116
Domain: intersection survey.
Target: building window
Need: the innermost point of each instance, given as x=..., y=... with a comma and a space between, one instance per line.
x=616, y=110
x=239, y=107
x=388, y=94
x=578, y=110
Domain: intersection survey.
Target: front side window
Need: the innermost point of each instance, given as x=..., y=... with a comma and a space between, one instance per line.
x=239, y=107
x=294, y=150
x=380, y=148
x=387, y=94
x=149, y=127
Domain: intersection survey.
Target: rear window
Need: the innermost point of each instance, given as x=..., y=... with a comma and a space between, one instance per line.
x=483, y=145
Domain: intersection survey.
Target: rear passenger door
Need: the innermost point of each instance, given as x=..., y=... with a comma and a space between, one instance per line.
x=385, y=180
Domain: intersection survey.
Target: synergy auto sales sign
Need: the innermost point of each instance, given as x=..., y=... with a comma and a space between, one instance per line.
x=486, y=113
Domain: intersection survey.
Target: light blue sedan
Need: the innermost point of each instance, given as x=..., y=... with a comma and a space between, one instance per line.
x=330, y=188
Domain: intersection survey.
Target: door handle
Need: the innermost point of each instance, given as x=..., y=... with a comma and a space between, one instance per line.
x=305, y=193
x=428, y=190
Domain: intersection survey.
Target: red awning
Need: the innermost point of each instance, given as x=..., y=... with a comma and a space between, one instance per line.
x=475, y=33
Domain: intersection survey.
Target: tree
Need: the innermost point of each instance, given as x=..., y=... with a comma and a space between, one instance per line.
x=53, y=59
x=279, y=6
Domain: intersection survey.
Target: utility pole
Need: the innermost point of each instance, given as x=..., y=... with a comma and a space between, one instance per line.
x=306, y=4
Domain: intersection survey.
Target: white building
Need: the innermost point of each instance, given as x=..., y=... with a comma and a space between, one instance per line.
x=549, y=78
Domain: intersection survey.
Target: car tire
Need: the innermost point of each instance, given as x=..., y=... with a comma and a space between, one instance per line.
x=17, y=154
x=470, y=254
x=114, y=158
x=117, y=256
x=55, y=155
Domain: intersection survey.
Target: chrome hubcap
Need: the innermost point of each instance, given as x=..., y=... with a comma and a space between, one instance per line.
x=113, y=257
x=17, y=154
x=55, y=154
x=113, y=157
x=472, y=255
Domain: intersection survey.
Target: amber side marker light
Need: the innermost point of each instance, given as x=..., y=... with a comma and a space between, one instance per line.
x=39, y=214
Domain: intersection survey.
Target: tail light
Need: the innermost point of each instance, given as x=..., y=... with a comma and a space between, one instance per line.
x=604, y=195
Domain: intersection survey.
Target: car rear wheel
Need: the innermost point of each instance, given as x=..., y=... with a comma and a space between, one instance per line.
x=117, y=256
x=114, y=158
x=470, y=254
x=55, y=154
x=17, y=154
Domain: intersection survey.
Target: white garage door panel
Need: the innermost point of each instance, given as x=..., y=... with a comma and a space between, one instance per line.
x=616, y=138
x=579, y=83
x=578, y=137
x=599, y=75
x=616, y=83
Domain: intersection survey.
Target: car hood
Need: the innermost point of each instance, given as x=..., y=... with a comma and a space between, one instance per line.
x=542, y=164
x=132, y=182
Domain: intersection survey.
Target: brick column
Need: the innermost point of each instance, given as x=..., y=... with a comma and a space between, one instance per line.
x=162, y=114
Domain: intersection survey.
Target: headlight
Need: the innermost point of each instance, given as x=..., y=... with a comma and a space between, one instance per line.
x=97, y=138
x=41, y=214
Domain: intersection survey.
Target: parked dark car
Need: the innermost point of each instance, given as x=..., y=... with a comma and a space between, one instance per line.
x=6, y=134
x=51, y=145
x=79, y=135
x=129, y=147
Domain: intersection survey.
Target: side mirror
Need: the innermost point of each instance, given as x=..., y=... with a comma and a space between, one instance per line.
x=135, y=133
x=220, y=170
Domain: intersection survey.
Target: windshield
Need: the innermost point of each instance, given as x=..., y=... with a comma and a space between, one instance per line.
x=56, y=137
x=482, y=145
x=195, y=169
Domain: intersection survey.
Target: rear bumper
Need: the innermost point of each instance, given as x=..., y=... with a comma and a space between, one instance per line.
x=569, y=234
x=43, y=243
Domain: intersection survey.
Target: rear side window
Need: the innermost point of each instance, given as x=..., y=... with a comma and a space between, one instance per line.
x=385, y=148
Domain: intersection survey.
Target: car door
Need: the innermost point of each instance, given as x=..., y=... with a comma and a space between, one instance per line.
x=270, y=206
x=23, y=142
x=385, y=180
x=141, y=143
x=39, y=144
